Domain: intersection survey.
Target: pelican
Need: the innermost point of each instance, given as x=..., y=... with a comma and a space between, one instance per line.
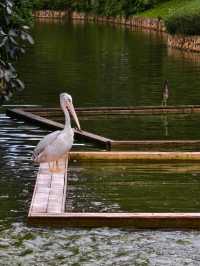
x=58, y=144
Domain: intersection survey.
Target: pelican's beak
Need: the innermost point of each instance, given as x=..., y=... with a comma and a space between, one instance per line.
x=73, y=113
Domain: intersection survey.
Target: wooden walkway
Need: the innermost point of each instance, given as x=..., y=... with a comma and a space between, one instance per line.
x=50, y=195
x=49, y=117
x=50, y=190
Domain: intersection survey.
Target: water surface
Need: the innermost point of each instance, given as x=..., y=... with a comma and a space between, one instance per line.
x=99, y=65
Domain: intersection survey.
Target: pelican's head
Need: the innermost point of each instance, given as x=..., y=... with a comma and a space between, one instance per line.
x=66, y=102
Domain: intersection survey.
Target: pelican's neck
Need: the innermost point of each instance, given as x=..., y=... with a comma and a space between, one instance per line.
x=67, y=120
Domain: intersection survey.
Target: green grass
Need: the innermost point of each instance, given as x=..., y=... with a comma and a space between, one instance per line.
x=168, y=8
x=180, y=16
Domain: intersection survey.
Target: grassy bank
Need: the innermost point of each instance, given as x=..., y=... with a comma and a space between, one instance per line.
x=165, y=9
x=98, y=7
x=180, y=16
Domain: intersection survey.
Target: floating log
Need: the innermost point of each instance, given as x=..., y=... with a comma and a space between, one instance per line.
x=131, y=156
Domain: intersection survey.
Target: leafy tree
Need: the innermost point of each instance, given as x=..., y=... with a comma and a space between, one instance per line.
x=13, y=37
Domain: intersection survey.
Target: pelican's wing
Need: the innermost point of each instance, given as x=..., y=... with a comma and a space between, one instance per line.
x=48, y=139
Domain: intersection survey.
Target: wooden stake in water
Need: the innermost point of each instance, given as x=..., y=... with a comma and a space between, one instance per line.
x=165, y=93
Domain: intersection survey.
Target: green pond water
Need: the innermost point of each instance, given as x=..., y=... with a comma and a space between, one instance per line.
x=102, y=65
x=133, y=187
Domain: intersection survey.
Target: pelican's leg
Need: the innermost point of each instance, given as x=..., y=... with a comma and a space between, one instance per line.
x=49, y=164
x=57, y=166
x=52, y=167
x=66, y=158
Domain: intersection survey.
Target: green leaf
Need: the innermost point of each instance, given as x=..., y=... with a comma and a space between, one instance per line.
x=9, y=10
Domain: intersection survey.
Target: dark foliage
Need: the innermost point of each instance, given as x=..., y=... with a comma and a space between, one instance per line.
x=184, y=21
x=99, y=7
x=52, y=4
x=13, y=37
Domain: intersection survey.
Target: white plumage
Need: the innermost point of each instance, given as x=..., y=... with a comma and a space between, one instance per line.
x=57, y=144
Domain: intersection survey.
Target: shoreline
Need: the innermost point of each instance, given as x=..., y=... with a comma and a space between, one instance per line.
x=184, y=43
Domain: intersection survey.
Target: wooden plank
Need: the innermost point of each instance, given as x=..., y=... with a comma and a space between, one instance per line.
x=47, y=123
x=50, y=190
x=135, y=144
x=47, y=207
x=39, y=201
x=136, y=220
x=29, y=117
x=131, y=156
x=135, y=110
x=104, y=108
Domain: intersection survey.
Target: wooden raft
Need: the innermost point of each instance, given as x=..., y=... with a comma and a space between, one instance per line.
x=48, y=117
x=49, y=198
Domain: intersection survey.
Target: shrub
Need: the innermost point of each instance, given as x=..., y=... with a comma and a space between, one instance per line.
x=184, y=21
x=81, y=5
x=99, y=7
x=51, y=4
x=13, y=37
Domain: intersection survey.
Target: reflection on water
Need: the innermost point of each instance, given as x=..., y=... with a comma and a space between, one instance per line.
x=98, y=65
x=142, y=127
x=183, y=55
x=145, y=127
x=17, y=171
x=133, y=187
x=102, y=65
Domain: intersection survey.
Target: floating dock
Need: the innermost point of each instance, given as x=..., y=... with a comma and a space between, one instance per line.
x=51, y=118
x=50, y=192
x=50, y=196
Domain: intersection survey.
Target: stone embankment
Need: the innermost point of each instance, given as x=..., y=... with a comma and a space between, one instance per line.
x=187, y=43
x=135, y=21
x=191, y=43
x=146, y=23
x=50, y=14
